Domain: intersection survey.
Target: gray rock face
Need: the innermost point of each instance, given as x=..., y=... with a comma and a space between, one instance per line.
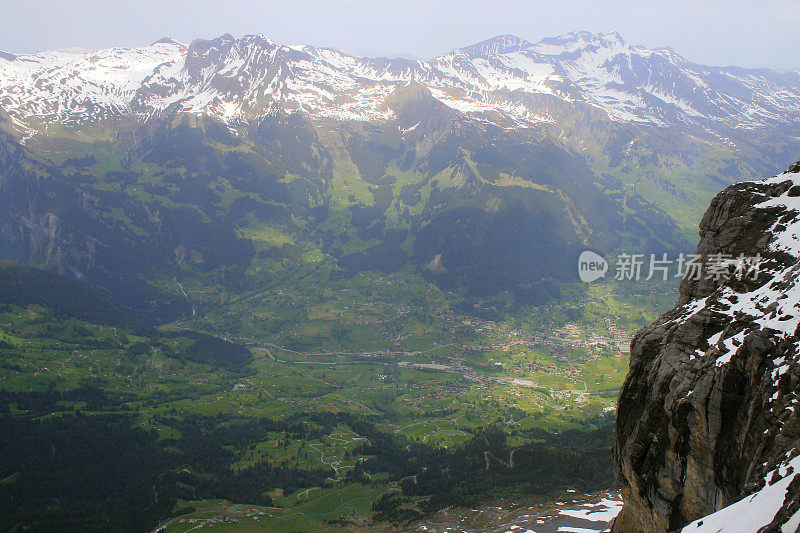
x=709, y=406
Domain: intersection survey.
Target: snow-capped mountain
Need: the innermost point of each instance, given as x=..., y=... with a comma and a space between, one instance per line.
x=505, y=80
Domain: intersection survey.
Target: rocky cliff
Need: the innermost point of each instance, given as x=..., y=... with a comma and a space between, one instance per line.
x=708, y=413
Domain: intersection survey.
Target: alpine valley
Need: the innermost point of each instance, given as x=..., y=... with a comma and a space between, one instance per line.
x=267, y=287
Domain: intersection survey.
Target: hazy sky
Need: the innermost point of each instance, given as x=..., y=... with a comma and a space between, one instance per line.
x=718, y=32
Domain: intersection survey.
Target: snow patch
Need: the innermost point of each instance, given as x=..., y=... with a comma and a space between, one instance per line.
x=753, y=512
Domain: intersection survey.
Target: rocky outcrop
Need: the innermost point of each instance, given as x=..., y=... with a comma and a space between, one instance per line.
x=709, y=412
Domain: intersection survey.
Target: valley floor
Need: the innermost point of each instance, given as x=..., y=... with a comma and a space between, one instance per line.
x=399, y=413
x=571, y=513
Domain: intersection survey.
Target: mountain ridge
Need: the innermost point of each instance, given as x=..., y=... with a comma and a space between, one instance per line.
x=240, y=79
x=185, y=140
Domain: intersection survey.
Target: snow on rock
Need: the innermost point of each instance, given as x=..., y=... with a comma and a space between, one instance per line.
x=74, y=84
x=710, y=401
x=772, y=302
x=753, y=512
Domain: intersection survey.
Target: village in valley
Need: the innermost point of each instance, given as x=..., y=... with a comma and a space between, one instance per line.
x=433, y=374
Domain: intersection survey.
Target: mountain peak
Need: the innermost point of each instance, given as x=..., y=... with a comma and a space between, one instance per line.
x=258, y=38
x=568, y=42
x=166, y=40
x=573, y=41
x=499, y=44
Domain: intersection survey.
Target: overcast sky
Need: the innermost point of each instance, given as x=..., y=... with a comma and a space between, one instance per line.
x=718, y=32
